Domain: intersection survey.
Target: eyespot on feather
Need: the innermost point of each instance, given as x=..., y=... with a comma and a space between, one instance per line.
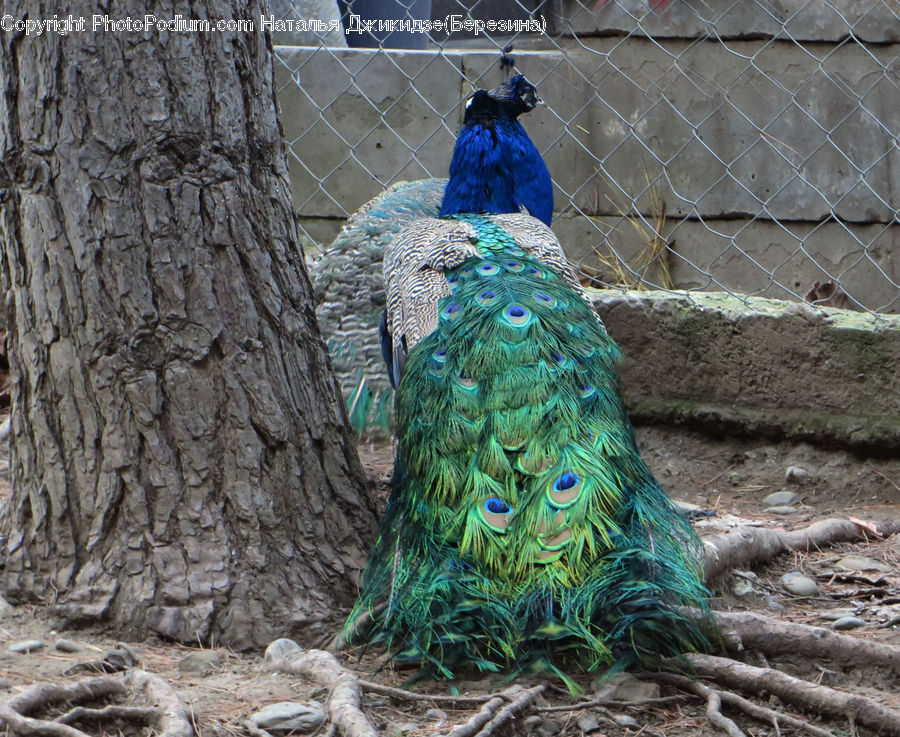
x=516, y=315
x=487, y=297
x=564, y=491
x=450, y=311
x=496, y=513
x=487, y=269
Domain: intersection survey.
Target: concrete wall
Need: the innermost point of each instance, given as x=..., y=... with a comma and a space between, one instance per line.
x=778, y=165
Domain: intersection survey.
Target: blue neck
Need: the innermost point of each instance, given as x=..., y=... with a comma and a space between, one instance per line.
x=496, y=170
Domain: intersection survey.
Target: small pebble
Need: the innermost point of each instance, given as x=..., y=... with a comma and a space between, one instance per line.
x=407, y=727
x=588, y=723
x=848, y=623
x=795, y=474
x=781, y=509
x=280, y=649
x=287, y=716
x=67, y=646
x=800, y=585
x=836, y=614
x=625, y=687
x=5, y=607
x=773, y=601
x=548, y=728
x=26, y=646
x=201, y=661
x=861, y=563
x=439, y=715
x=781, y=498
x=740, y=586
x=687, y=506
x=629, y=722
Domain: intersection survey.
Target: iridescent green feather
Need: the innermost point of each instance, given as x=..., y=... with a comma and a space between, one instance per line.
x=523, y=530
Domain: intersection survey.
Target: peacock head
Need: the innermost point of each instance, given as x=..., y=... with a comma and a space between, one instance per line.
x=512, y=98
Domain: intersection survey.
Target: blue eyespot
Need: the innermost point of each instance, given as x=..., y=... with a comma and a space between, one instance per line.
x=543, y=297
x=557, y=357
x=488, y=294
x=439, y=356
x=516, y=311
x=497, y=506
x=566, y=481
x=487, y=268
x=450, y=310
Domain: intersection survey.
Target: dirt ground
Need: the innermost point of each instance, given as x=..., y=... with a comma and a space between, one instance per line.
x=730, y=477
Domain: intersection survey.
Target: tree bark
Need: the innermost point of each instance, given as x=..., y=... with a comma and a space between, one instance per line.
x=179, y=452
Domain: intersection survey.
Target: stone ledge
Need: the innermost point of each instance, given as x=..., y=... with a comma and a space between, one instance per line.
x=758, y=367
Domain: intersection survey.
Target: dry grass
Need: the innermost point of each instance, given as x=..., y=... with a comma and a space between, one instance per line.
x=650, y=267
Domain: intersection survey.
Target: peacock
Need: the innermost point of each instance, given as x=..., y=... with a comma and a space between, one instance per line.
x=523, y=531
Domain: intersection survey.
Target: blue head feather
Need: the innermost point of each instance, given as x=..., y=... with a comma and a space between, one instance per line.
x=495, y=166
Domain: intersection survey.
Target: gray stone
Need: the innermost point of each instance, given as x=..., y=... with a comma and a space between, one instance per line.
x=5, y=607
x=439, y=715
x=836, y=614
x=625, y=687
x=781, y=498
x=740, y=586
x=588, y=723
x=548, y=728
x=862, y=563
x=848, y=623
x=795, y=474
x=687, y=506
x=799, y=585
x=280, y=649
x=773, y=601
x=67, y=646
x=26, y=646
x=201, y=661
x=781, y=510
x=287, y=716
x=407, y=727
x=629, y=722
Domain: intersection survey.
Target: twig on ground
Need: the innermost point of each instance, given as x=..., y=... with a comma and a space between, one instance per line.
x=761, y=713
x=345, y=697
x=745, y=545
x=809, y=696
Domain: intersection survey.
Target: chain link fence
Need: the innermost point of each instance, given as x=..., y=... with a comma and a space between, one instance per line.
x=749, y=146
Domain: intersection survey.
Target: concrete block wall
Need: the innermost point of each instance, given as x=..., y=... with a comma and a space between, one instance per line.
x=778, y=166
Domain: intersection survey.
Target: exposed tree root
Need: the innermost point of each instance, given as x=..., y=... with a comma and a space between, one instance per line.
x=344, y=701
x=168, y=715
x=761, y=713
x=745, y=545
x=495, y=714
x=751, y=631
x=809, y=696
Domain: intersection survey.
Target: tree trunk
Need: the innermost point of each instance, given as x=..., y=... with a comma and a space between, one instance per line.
x=179, y=453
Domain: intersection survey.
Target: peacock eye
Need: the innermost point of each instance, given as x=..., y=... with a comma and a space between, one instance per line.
x=542, y=297
x=450, y=310
x=566, y=481
x=557, y=357
x=497, y=506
